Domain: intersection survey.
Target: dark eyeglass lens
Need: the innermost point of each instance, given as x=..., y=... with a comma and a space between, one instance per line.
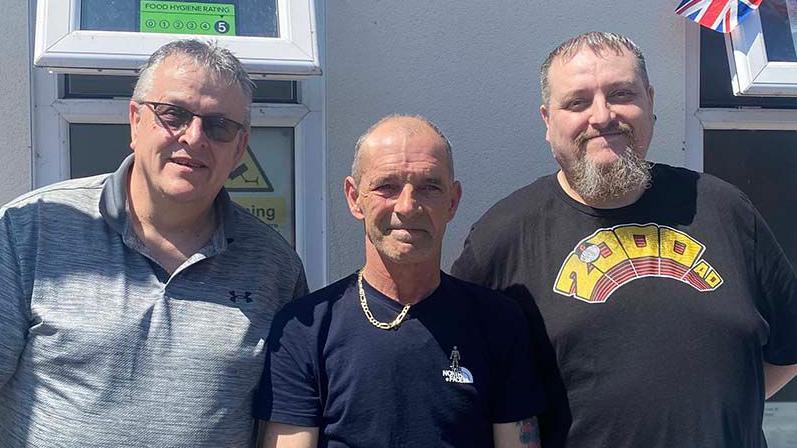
x=177, y=118
x=218, y=128
x=174, y=116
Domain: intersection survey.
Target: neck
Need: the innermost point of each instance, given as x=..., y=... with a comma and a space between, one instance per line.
x=406, y=283
x=609, y=203
x=154, y=214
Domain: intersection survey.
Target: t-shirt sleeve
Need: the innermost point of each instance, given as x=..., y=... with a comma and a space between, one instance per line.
x=519, y=391
x=288, y=390
x=470, y=265
x=778, y=301
x=300, y=290
x=14, y=303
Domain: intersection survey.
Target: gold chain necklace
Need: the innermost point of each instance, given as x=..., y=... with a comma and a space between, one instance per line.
x=364, y=304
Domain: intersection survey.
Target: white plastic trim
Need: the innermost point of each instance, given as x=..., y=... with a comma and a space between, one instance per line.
x=751, y=72
x=62, y=47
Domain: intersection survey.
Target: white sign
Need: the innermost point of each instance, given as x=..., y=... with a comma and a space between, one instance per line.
x=780, y=424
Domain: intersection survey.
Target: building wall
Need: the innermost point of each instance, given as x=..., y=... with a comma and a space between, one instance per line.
x=15, y=136
x=472, y=68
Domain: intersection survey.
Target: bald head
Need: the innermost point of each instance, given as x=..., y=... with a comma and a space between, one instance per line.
x=397, y=126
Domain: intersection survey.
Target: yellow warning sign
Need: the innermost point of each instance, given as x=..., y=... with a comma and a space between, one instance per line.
x=268, y=210
x=248, y=175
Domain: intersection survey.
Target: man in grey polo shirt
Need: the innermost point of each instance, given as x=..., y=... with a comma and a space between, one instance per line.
x=134, y=305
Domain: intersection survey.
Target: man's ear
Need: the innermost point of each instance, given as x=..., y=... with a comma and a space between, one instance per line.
x=133, y=117
x=456, y=195
x=352, y=197
x=545, y=117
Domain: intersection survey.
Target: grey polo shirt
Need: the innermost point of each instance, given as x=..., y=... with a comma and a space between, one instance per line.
x=100, y=347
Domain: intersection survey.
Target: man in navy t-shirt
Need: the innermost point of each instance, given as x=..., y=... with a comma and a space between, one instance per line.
x=399, y=353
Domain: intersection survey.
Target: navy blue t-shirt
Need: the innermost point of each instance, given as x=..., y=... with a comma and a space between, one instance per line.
x=459, y=362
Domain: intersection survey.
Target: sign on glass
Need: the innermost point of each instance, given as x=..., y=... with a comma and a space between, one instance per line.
x=187, y=18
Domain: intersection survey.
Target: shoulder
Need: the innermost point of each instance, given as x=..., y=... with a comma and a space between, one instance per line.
x=499, y=224
x=73, y=202
x=682, y=184
x=519, y=204
x=501, y=308
x=262, y=238
x=309, y=309
x=73, y=192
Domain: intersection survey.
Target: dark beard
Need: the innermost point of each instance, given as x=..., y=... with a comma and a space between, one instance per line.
x=601, y=183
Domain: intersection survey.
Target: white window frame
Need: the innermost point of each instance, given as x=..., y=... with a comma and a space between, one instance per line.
x=702, y=119
x=61, y=46
x=751, y=72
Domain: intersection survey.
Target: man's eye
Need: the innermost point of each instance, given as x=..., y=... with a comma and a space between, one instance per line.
x=430, y=188
x=623, y=94
x=220, y=123
x=173, y=115
x=386, y=188
x=576, y=104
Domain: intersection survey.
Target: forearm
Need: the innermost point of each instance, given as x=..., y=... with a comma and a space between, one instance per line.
x=279, y=435
x=775, y=377
x=520, y=434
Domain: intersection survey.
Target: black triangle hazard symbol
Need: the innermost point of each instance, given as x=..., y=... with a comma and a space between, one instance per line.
x=248, y=175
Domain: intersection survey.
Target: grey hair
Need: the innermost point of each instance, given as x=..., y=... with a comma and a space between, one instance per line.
x=219, y=61
x=355, y=166
x=597, y=41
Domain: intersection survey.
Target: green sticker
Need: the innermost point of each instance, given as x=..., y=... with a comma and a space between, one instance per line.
x=187, y=18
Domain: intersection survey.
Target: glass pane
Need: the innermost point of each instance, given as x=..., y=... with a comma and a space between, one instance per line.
x=251, y=17
x=103, y=86
x=97, y=148
x=262, y=183
x=715, y=78
x=776, y=24
x=763, y=165
x=98, y=86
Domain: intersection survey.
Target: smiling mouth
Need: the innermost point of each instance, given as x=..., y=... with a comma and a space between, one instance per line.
x=606, y=134
x=190, y=163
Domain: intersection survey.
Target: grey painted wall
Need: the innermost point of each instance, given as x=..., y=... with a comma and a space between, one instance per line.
x=15, y=162
x=472, y=68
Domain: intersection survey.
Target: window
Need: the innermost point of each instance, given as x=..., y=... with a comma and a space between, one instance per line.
x=271, y=37
x=761, y=51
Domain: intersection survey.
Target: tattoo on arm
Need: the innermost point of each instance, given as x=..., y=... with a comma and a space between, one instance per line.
x=529, y=432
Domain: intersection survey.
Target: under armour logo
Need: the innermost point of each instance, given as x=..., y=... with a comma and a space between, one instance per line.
x=245, y=296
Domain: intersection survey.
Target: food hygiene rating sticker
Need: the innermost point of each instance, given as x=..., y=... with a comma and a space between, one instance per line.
x=187, y=18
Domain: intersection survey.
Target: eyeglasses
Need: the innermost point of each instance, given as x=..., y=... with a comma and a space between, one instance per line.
x=177, y=119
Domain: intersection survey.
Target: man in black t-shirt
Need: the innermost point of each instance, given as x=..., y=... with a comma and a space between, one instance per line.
x=669, y=310
x=400, y=354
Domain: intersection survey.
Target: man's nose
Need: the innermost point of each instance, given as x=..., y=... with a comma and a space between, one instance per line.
x=601, y=113
x=193, y=132
x=406, y=203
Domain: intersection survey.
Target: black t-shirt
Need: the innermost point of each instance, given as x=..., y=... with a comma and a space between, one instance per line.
x=458, y=363
x=657, y=316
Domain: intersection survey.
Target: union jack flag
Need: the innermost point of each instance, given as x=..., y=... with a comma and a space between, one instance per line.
x=719, y=15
